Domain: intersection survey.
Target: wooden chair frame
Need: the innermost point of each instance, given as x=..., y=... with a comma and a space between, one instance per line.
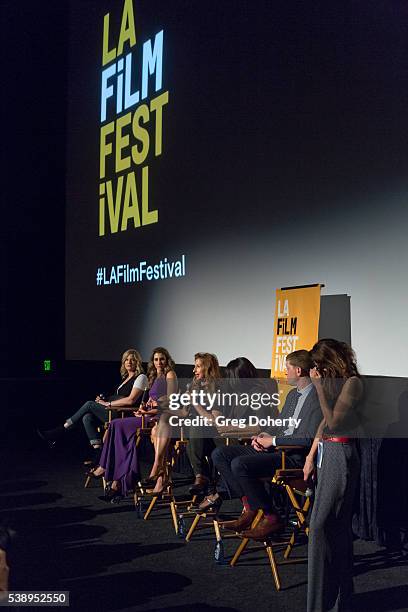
x=287, y=479
x=167, y=498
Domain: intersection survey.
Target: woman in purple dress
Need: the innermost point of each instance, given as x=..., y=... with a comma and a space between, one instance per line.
x=118, y=462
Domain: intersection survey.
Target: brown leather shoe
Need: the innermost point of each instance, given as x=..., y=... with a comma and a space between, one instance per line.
x=200, y=485
x=243, y=522
x=264, y=529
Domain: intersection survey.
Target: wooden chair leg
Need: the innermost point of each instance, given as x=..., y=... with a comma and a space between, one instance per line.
x=290, y=546
x=301, y=513
x=245, y=541
x=173, y=510
x=273, y=564
x=219, y=553
x=88, y=480
x=138, y=502
x=217, y=530
x=150, y=508
x=239, y=551
x=193, y=525
x=191, y=504
x=167, y=499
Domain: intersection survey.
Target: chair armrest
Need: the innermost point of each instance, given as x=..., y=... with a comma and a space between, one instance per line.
x=289, y=473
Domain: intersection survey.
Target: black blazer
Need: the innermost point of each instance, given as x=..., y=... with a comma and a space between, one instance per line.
x=310, y=418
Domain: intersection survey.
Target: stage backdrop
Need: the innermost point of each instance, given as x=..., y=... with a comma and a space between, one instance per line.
x=218, y=150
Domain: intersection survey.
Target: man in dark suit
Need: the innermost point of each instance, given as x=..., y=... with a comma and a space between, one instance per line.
x=242, y=466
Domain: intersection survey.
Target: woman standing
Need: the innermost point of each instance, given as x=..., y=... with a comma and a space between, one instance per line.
x=330, y=557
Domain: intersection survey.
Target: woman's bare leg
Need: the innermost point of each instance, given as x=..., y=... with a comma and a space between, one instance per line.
x=98, y=471
x=115, y=486
x=161, y=438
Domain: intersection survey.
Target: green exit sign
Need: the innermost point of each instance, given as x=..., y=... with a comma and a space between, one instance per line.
x=47, y=365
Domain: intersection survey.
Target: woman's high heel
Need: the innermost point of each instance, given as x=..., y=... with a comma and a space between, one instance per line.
x=164, y=485
x=151, y=480
x=91, y=472
x=211, y=503
x=111, y=494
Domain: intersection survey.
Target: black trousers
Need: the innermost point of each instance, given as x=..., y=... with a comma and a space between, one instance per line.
x=241, y=467
x=199, y=452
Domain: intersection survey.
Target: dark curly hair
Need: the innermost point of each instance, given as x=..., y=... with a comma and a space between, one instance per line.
x=334, y=359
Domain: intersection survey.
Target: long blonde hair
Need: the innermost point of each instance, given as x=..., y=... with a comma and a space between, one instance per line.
x=138, y=358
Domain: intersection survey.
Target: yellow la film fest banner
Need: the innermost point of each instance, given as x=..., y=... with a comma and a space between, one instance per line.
x=296, y=324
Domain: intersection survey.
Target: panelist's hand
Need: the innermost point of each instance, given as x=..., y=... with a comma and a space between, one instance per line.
x=265, y=439
x=308, y=468
x=261, y=444
x=257, y=446
x=142, y=411
x=103, y=403
x=315, y=376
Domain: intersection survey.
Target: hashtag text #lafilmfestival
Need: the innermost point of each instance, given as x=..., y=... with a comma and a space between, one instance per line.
x=143, y=271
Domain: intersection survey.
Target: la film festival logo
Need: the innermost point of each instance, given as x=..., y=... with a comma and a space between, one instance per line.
x=131, y=113
x=286, y=338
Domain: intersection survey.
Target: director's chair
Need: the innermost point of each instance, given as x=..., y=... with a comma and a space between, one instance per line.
x=299, y=500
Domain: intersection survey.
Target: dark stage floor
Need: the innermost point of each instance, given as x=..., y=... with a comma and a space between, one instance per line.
x=70, y=539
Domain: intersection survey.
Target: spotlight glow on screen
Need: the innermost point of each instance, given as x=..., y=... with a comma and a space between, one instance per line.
x=218, y=151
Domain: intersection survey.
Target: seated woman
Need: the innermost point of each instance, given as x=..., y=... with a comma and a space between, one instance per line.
x=118, y=462
x=241, y=378
x=206, y=375
x=128, y=394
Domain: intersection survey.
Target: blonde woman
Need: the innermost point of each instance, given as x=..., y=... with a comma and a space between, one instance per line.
x=119, y=461
x=127, y=395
